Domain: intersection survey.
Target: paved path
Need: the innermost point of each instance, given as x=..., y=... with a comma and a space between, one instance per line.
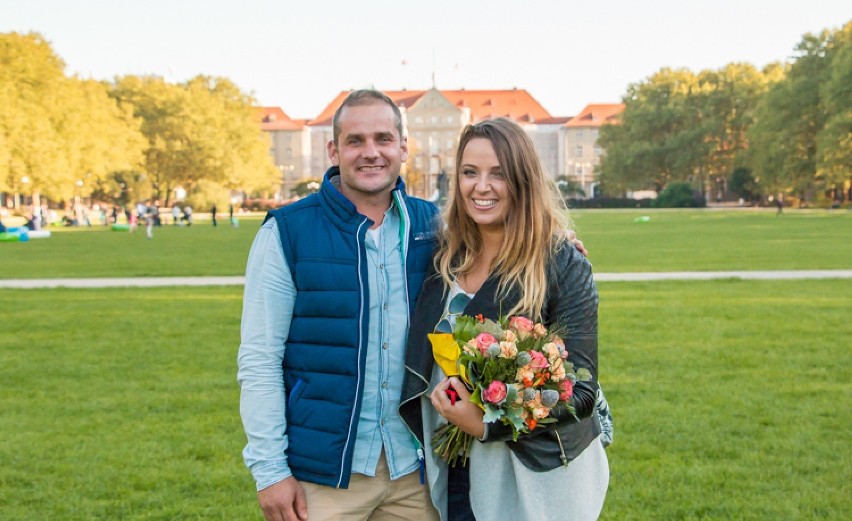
x=150, y=282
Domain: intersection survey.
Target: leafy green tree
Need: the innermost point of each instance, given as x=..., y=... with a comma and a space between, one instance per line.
x=657, y=136
x=681, y=126
x=62, y=135
x=801, y=139
x=834, y=141
x=743, y=184
x=31, y=76
x=201, y=130
x=727, y=102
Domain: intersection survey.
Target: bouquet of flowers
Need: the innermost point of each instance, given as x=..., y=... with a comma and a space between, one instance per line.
x=518, y=371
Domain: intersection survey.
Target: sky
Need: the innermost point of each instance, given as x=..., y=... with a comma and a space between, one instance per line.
x=300, y=55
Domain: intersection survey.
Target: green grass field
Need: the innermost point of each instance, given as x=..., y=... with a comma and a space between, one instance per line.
x=702, y=240
x=730, y=397
x=730, y=401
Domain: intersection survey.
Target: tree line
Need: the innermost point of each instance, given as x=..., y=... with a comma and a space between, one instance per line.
x=136, y=137
x=785, y=128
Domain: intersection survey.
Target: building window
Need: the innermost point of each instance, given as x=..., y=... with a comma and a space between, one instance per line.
x=578, y=151
x=434, y=119
x=288, y=153
x=594, y=132
x=449, y=119
x=578, y=169
x=579, y=134
x=597, y=150
x=418, y=119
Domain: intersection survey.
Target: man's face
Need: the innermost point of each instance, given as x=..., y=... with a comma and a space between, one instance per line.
x=369, y=151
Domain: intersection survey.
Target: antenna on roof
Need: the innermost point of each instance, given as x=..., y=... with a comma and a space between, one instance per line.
x=433, y=68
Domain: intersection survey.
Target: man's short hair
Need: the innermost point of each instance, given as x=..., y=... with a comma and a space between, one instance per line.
x=358, y=98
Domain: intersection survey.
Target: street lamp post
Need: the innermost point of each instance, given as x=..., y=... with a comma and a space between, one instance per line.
x=79, y=192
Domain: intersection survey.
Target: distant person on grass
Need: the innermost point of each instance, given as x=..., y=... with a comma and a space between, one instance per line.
x=149, y=221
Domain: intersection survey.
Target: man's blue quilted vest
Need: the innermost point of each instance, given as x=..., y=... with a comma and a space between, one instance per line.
x=323, y=240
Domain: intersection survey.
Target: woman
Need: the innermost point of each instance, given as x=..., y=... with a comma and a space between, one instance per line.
x=505, y=247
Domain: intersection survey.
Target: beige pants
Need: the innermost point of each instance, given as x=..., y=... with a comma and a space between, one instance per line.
x=374, y=499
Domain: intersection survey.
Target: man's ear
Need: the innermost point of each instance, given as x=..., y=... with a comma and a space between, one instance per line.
x=333, y=155
x=404, y=149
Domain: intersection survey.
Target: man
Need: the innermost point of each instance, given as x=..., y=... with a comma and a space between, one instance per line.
x=331, y=283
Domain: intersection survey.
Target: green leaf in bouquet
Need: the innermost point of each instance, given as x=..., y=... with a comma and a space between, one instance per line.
x=583, y=374
x=492, y=414
x=466, y=328
x=514, y=418
x=492, y=328
x=546, y=420
x=476, y=396
x=511, y=394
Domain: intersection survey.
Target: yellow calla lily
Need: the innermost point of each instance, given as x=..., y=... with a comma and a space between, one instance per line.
x=446, y=351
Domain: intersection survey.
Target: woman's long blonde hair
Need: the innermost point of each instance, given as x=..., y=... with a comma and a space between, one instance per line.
x=535, y=225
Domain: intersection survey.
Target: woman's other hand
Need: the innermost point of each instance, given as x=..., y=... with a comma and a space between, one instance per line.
x=572, y=237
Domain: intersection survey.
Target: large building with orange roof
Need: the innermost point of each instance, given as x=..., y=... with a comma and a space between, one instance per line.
x=289, y=146
x=433, y=119
x=580, y=155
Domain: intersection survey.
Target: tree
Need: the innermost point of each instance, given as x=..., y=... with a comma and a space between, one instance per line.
x=656, y=137
x=57, y=132
x=204, y=129
x=742, y=184
x=30, y=76
x=834, y=141
x=728, y=100
x=801, y=139
x=681, y=126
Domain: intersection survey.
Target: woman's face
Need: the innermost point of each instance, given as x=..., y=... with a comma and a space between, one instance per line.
x=482, y=185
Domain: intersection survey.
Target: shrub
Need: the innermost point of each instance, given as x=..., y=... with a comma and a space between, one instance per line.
x=608, y=202
x=679, y=195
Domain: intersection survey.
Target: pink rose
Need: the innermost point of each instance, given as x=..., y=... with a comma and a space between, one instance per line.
x=484, y=341
x=566, y=390
x=521, y=324
x=538, y=360
x=495, y=393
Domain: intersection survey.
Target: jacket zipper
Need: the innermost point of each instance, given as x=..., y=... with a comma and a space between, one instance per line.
x=562, y=455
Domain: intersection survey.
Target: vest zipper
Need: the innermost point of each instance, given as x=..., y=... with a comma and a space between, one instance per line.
x=360, y=346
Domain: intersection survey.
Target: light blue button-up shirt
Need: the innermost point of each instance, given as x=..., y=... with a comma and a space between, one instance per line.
x=267, y=311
